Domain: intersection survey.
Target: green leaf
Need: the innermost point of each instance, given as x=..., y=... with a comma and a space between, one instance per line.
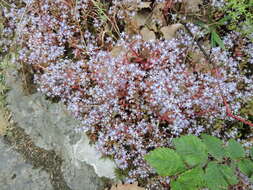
x=215, y=39
x=246, y=167
x=235, y=149
x=228, y=174
x=214, y=146
x=251, y=179
x=166, y=161
x=189, y=180
x=176, y=185
x=219, y=177
x=202, y=24
x=213, y=43
x=191, y=149
x=251, y=152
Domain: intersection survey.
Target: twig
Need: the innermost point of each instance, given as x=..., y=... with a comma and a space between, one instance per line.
x=198, y=44
x=228, y=109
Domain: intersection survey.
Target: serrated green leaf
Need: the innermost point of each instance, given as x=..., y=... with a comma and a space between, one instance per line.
x=215, y=39
x=191, y=149
x=214, y=178
x=228, y=174
x=219, y=177
x=166, y=161
x=246, y=167
x=214, y=146
x=190, y=180
x=176, y=185
x=235, y=149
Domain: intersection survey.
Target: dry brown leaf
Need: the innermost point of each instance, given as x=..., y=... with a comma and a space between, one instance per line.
x=198, y=62
x=170, y=31
x=133, y=24
x=156, y=19
x=192, y=5
x=131, y=27
x=141, y=18
x=116, y=51
x=152, y=26
x=143, y=5
x=131, y=6
x=157, y=14
x=127, y=187
x=147, y=34
x=3, y=123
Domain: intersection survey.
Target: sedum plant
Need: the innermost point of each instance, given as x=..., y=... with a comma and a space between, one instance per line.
x=196, y=163
x=130, y=95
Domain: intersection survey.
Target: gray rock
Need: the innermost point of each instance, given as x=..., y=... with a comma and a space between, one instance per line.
x=81, y=177
x=16, y=174
x=51, y=127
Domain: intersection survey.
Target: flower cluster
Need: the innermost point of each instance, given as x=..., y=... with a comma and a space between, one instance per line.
x=131, y=95
x=145, y=96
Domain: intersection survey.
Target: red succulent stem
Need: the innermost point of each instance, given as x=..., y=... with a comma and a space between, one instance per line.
x=228, y=109
x=230, y=114
x=167, y=6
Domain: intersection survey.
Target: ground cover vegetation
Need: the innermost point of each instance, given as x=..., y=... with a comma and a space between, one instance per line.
x=139, y=74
